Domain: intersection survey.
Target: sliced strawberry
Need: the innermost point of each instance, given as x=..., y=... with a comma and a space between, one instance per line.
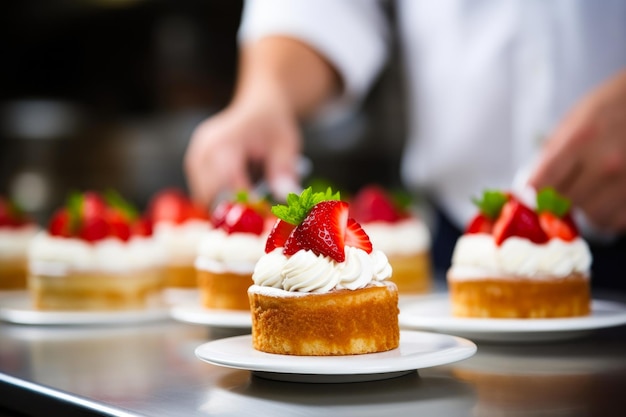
x=518, y=220
x=556, y=227
x=218, y=217
x=322, y=231
x=11, y=215
x=372, y=203
x=141, y=227
x=480, y=224
x=92, y=205
x=195, y=211
x=93, y=229
x=244, y=219
x=118, y=224
x=170, y=205
x=356, y=236
x=278, y=235
x=59, y=224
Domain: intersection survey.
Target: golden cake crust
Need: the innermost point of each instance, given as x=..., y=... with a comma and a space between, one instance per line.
x=411, y=273
x=340, y=322
x=512, y=297
x=228, y=291
x=13, y=274
x=97, y=290
x=181, y=276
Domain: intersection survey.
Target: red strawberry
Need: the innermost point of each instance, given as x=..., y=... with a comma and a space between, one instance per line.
x=142, y=227
x=356, y=236
x=243, y=218
x=218, y=216
x=279, y=235
x=93, y=205
x=118, y=224
x=372, y=203
x=325, y=232
x=93, y=229
x=59, y=224
x=480, y=224
x=169, y=205
x=11, y=215
x=518, y=220
x=555, y=227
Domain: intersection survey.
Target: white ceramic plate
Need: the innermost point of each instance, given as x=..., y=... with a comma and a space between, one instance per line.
x=196, y=314
x=433, y=313
x=417, y=350
x=17, y=308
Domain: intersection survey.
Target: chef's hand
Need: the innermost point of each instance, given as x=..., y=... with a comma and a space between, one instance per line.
x=585, y=158
x=281, y=81
x=244, y=143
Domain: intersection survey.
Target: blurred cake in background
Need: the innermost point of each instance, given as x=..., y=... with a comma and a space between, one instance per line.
x=514, y=261
x=228, y=253
x=16, y=232
x=179, y=225
x=395, y=229
x=97, y=253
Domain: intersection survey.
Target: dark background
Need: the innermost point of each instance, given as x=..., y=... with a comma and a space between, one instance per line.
x=105, y=93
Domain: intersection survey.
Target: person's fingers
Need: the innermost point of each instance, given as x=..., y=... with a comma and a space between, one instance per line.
x=605, y=207
x=560, y=163
x=281, y=165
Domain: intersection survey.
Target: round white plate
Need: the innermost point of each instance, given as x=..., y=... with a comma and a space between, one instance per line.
x=17, y=308
x=196, y=314
x=434, y=313
x=417, y=350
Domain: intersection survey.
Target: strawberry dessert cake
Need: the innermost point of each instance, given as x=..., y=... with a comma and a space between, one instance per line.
x=397, y=231
x=179, y=225
x=227, y=253
x=514, y=261
x=320, y=289
x=96, y=254
x=16, y=232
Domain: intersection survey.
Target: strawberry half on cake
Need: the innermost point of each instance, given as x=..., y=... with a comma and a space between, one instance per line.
x=227, y=253
x=96, y=254
x=514, y=261
x=16, y=232
x=179, y=225
x=320, y=289
x=397, y=231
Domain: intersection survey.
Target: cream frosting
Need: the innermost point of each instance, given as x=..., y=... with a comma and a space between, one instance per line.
x=51, y=255
x=180, y=241
x=478, y=256
x=14, y=241
x=221, y=252
x=306, y=272
x=408, y=236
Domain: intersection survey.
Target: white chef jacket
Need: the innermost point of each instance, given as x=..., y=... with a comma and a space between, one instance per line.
x=486, y=80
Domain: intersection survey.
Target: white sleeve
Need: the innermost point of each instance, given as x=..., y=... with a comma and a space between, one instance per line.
x=353, y=35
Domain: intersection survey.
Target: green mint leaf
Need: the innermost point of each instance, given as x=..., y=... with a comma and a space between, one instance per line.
x=298, y=207
x=74, y=206
x=115, y=199
x=491, y=203
x=548, y=199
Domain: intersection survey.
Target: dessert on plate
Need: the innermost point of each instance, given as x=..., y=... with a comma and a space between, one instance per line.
x=96, y=254
x=227, y=253
x=399, y=232
x=514, y=261
x=16, y=232
x=320, y=289
x=179, y=225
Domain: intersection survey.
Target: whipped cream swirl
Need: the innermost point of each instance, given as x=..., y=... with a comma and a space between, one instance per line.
x=477, y=255
x=404, y=237
x=307, y=272
x=221, y=252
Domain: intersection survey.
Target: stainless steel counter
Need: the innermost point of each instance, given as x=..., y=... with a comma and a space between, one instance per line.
x=150, y=369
